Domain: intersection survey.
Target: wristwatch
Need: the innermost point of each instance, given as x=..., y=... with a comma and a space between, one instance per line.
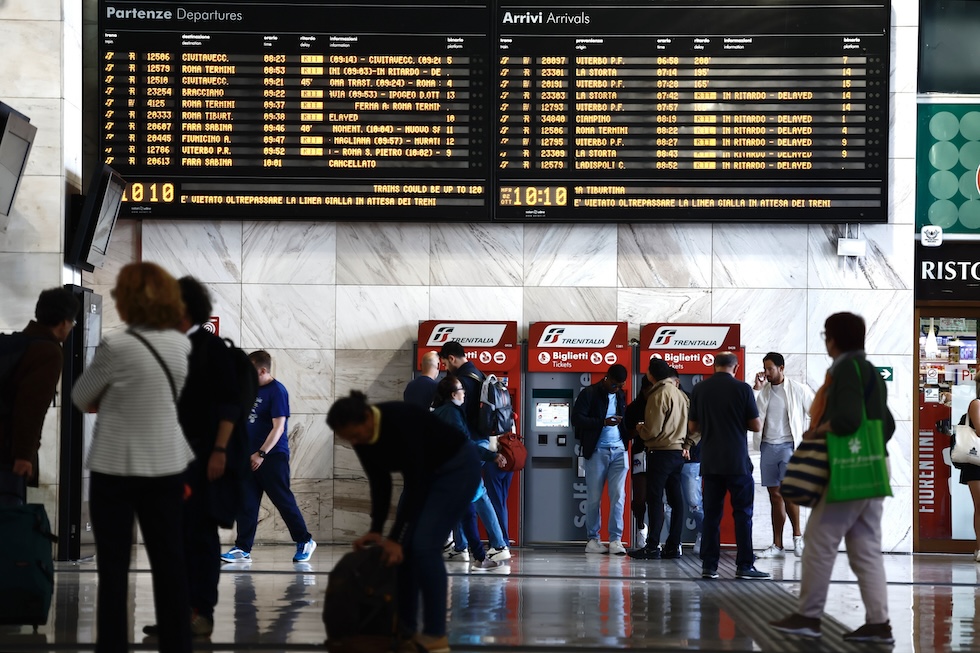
x=261, y=453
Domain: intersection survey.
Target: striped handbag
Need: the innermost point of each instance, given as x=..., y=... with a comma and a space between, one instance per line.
x=807, y=474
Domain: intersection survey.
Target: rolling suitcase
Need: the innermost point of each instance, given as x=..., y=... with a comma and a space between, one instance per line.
x=360, y=610
x=26, y=565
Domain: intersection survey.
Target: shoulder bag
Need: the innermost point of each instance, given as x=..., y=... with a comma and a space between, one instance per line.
x=966, y=444
x=858, y=464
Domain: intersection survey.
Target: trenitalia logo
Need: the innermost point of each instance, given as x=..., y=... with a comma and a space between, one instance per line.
x=477, y=335
x=689, y=337
x=577, y=335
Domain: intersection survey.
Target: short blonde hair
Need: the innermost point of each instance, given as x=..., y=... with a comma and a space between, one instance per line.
x=146, y=295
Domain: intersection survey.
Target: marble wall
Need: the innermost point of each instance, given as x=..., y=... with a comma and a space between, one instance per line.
x=338, y=304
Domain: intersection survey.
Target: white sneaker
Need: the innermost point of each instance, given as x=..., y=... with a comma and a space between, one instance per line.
x=616, y=548
x=499, y=554
x=641, y=537
x=595, y=546
x=453, y=555
x=772, y=552
x=976, y=555
x=798, y=545
x=486, y=565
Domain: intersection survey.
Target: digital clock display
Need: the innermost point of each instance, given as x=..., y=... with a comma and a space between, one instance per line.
x=533, y=196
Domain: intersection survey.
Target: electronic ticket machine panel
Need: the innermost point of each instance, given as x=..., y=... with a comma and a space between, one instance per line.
x=494, y=349
x=563, y=358
x=691, y=350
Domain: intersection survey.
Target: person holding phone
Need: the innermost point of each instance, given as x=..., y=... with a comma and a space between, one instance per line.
x=598, y=421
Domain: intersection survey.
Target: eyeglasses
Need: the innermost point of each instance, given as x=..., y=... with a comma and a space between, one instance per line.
x=458, y=389
x=823, y=335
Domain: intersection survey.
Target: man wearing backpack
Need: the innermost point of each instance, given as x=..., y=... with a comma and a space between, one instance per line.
x=209, y=409
x=31, y=363
x=497, y=481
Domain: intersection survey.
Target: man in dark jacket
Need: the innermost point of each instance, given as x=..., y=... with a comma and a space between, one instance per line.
x=30, y=390
x=598, y=421
x=208, y=410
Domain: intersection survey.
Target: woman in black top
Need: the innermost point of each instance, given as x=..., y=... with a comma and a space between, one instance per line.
x=440, y=467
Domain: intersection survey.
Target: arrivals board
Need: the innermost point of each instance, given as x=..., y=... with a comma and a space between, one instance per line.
x=306, y=109
x=672, y=110
x=715, y=110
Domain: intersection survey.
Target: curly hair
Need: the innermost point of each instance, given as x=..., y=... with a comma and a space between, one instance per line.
x=146, y=295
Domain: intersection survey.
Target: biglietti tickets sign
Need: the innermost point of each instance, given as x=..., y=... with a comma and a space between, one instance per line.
x=492, y=346
x=577, y=346
x=688, y=348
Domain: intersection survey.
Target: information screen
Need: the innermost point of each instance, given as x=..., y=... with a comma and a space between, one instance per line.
x=552, y=414
x=479, y=110
x=711, y=110
x=306, y=109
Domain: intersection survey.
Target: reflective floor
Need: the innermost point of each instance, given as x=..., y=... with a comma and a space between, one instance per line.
x=552, y=600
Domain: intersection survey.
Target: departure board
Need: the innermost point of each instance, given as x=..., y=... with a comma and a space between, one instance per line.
x=716, y=110
x=370, y=110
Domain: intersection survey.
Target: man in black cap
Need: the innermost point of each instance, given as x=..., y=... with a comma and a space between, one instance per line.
x=598, y=421
x=664, y=435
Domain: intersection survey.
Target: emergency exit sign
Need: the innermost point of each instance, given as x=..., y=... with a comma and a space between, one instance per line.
x=886, y=373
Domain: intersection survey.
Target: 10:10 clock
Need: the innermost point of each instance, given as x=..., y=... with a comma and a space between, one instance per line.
x=533, y=196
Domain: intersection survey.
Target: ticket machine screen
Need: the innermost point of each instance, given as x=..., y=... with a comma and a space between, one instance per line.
x=552, y=414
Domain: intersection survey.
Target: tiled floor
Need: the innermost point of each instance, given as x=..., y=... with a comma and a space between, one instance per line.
x=552, y=600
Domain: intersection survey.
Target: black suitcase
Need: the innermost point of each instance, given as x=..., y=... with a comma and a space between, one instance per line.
x=26, y=565
x=360, y=610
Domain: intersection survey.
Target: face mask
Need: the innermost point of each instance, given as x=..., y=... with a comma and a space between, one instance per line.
x=457, y=402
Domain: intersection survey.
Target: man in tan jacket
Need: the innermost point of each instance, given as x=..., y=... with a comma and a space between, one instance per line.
x=664, y=433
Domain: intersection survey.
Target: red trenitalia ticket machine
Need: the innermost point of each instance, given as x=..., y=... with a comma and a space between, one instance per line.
x=691, y=350
x=494, y=349
x=562, y=359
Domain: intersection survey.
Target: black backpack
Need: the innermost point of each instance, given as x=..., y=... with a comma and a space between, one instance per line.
x=12, y=349
x=496, y=413
x=227, y=492
x=360, y=608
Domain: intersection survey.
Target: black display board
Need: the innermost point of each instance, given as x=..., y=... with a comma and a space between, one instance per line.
x=300, y=110
x=721, y=110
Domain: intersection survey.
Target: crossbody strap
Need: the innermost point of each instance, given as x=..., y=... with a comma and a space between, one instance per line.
x=156, y=355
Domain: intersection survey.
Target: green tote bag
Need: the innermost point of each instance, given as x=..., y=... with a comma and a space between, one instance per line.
x=858, y=466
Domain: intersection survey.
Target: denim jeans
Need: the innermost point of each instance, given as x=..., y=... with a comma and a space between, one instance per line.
x=691, y=487
x=498, y=489
x=610, y=465
x=484, y=510
x=423, y=572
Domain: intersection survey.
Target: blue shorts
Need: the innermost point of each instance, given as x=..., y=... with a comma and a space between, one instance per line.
x=773, y=462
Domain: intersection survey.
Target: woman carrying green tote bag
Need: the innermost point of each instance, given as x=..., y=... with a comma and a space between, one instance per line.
x=852, y=395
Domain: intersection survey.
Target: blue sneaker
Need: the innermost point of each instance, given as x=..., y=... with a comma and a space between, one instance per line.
x=304, y=550
x=235, y=555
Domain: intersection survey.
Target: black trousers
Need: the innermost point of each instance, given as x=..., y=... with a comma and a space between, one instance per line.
x=158, y=504
x=664, y=473
x=202, y=546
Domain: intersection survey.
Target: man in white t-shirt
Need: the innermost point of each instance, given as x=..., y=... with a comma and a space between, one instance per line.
x=784, y=409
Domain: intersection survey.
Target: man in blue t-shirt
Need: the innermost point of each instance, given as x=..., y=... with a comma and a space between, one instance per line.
x=267, y=429
x=722, y=410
